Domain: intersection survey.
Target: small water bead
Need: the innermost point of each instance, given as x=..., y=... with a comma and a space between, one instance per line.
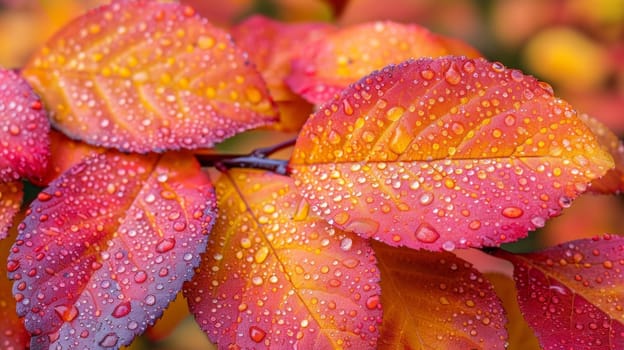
x=426, y=233
x=165, y=245
x=122, y=309
x=512, y=212
x=426, y=198
x=109, y=341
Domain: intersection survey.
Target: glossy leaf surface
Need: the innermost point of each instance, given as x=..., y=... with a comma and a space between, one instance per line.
x=571, y=295
x=435, y=300
x=24, y=130
x=65, y=153
x=107, y=246
x=445, y=153
x=144, y=76
x=329, y=65
x=11, y=194
x=275, y=276
x=13, y=335
x=613, y=180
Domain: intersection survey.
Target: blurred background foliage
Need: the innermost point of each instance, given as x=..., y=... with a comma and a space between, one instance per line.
x=575, y=45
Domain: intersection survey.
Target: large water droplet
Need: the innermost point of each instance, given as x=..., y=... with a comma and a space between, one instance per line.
x=426, y=234
x=512, y=212
x=373, y=302
x=122, y=309
x=165, y=245
x=66, y=313
x=109, y=340
x=256, y=334
x=363, y=226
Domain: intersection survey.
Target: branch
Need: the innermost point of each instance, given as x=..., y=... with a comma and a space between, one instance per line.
x=256, y=159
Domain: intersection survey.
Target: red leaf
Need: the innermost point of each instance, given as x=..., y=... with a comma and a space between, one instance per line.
x=436, y=301
x=328, y=66
x=143, y=76
x=613, y=180
x=23, y=130
x=572, y=295
x=445, y=153
x=11, y=194
x=13, y=335
x=107, y=246
x=275, y=277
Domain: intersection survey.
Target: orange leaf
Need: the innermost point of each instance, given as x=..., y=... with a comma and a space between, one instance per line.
x=328, y=66
x=143, y=76
x=613, y=180
x=23, y=130
x=271, y=46
x=572, y=295
x=434, y=300
x=274, y=276
x=445, y=153
x=106, y=247
x=13, y=335
x=11, y=194
x=65, y=153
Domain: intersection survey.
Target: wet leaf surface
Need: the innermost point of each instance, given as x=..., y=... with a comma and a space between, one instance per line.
x=276, y=276
x=13, y=335
x=65, y=153
x=571, y=294
x=24, y=146
x=143, y=76
x=328, y=66
x=445, y=153
x=613, y=181
x=11, y=195
x=435, y=300
x=106, y=247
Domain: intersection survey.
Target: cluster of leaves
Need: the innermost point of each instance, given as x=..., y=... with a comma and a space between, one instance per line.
x=418, y=147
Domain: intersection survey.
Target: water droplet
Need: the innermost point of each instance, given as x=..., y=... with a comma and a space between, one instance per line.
x=348, y=109
x=395, y=113
x=12, y=265
x=538, y=221
x=400, y=140
x=565, y=202
x=426, y=234
x=363, y=226
x=122, y=309
x=302, y=211
x=165, y=245
x=66, y=313
x=346, y=244
x=261, y=255
x=426, y=198
x=44, y=197
x=150, y=299
x=140, y=276
x=427, y=74
x=448, y=246
x=256, y=334
x=109, y=340
x=373, y=302
x=512, y=212
x=452, y=76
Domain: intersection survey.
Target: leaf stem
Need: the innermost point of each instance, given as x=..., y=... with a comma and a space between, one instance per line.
x=256, y=159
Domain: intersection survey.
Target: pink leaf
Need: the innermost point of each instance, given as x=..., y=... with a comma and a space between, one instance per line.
x=445, y=153
x=107, y=246
x=11, y=194
x=572, y=295
x=24, y=130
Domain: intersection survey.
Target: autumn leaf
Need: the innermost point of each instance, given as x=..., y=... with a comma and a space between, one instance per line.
x=11, y=194
x=445, y=153
x=435, y=300
x=571, y=294
x=613, y=180
x=106, y=247
x=143, y=76
x=276, y=276
x=23, y=130
x=271, y=46
x=13, y=335
x=328, y=66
